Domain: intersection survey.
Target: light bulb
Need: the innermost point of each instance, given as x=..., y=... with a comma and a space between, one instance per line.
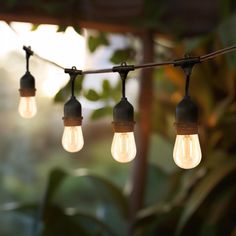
x=72, y=139
x=27, y=107
x=123, y=147
x=187, y=152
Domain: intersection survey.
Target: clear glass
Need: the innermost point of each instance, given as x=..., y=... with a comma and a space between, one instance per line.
x=27, y=107
x=72, y=139
x=123, y=148
x=187, y=151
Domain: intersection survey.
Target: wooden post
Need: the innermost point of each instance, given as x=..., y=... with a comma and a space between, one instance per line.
x=145, y=114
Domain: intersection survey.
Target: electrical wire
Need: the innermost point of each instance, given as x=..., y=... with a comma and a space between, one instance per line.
x=48, y=61
x=217, y=53
x=180, y=61
x=200, y=59
x=177, y=62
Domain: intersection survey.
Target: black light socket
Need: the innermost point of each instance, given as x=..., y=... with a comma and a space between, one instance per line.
x=72, y=113
x=123, y=117
x=186, y=117
x=27, y=85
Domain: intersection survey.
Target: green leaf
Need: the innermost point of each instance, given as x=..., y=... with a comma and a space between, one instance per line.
x=34, y=27
x=92, y=95
x=55, y=179
x=95, y=41
x=106, y=86
x=159, y=219
x=202, y=190
x=106, y=90
x=122, y=55
x=61, y=28
x=116, y=91
x=108, y=191
x=156, y=177
x=79, y=84
x=56, y=222
x=88, y=220
x=63, y=93
x=101, y=112
x=78, y=29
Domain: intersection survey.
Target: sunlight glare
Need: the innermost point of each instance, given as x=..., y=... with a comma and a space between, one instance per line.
x=64, y=48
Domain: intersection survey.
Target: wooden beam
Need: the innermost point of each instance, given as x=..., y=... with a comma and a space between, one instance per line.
x=144, y=129
x=36, y=19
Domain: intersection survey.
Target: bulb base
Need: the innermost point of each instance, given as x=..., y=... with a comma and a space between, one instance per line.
x=186, y=117
x=123, y=127
x=27, y=85
x=72, y=109
x=123, y=117
x=186, y=111
x=72, y=113
x=186, y=128
x=123, y=111
x=71, y=121
x=27, y=92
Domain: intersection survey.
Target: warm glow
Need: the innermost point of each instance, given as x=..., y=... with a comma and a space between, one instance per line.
x=72, y=139
x=64, y=48
x=27, y=107
x=123, y=147
x=187, y=152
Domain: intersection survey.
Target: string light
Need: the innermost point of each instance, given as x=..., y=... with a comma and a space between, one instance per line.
x=187, y=151
x=72, y=139
x=27, y=106
x=123, y=146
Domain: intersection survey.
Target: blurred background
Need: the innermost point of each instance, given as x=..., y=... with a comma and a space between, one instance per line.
x=47, y=191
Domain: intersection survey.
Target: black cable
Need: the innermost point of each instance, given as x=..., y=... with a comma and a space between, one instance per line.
x=217, y=53
x=187, y=85
x=123, y=88
x=72, y=78
x=177, y=62
x=73, y=72
x=27, y=62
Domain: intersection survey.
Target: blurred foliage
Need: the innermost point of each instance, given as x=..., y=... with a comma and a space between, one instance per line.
x=96, y=41
x=199, y=201
x=121, y=55
x=64, y=93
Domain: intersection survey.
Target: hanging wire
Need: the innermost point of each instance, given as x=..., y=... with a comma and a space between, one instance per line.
x=123, y=76
x=217, y=53
x=48, y=61
x=28, y=53
x=177, y=62
x=35, y=54
x=73, y=75
x=27, y=62
x=187, y=85
x=140, y=66
x=72, y=78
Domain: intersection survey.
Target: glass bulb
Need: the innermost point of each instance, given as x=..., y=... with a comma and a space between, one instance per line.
x=123, y=148
x=27, y=107
x=187, y=152
x=72, y=139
